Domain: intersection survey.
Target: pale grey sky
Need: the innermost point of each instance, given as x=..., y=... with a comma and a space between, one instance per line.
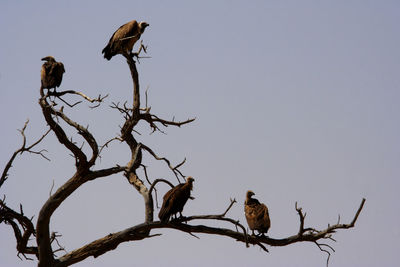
x=296, y=100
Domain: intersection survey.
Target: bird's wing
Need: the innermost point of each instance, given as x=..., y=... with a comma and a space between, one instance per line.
x=129, y=29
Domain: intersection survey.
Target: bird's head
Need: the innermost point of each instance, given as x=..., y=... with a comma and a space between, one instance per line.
x=143, y=25
x=189, y=182
x=189, y=179
x=49, y=59
x=249, y=194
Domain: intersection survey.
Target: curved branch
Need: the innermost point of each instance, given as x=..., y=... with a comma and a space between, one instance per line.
x=84, y=132
x=47, y=111
x=107, y=143
x=157, y=181
x=174, y=169
x=105, y=172
x=153, y=119
x=18, y=222
x=221, y=217
x=21, y=150
x=111, y=241
x=82, y=175
x=99, y=99
x=43, y=238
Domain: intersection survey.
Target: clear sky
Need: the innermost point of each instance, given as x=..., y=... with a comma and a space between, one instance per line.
x=296, y=100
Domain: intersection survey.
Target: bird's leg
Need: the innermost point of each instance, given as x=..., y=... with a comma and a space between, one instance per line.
x=50, y=93
x=133, y=55
x=183, y=217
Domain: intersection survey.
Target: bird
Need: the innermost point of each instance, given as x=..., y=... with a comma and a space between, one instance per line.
x=51, y=73
x=256, y=213
x=123, y=39
x=175, y=199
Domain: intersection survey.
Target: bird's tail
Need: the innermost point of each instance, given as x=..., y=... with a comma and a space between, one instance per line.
x=163, y=215
x=107, y=52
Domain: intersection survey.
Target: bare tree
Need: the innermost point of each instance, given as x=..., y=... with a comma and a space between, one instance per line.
x=45, y=247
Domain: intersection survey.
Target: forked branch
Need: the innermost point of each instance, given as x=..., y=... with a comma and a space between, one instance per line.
x=21, y=150
x=22, y=226
x=111, y=241
x=153, y=120
x=97, y=100
x=174, y=169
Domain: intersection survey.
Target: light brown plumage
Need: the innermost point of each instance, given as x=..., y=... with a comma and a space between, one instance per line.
x=175, y=199
x=256, y=213
x=51, y=73
x=123, y=39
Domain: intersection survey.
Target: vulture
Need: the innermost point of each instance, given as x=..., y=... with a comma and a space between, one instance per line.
x=51, y=73
x=175, y=199
x=124, y=38
x=256, y=214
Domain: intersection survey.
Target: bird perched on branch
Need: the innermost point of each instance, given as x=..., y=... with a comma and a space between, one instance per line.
x=175, y=199
x=124, y=38
x=256, y=214
x=51, y=73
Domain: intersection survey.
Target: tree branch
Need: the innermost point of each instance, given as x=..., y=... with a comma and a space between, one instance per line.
x=82, y=175
x=153, y=119
x=111, y=241
x=84, y=132
x=21, y=150
x=18, y=222
x=48, y=111
x=174, y=169
x=157, y=181
x=99, y=99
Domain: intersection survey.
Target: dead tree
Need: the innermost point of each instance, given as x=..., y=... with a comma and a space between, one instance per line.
x=44, y=246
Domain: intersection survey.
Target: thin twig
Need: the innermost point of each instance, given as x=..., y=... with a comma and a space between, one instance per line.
x=23, y=149
x=174, y=169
